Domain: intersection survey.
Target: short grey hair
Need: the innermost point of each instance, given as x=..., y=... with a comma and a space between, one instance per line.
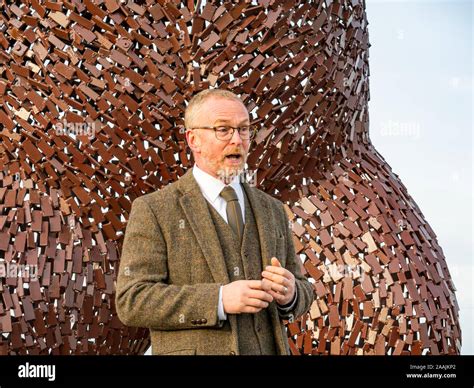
x=202, y=97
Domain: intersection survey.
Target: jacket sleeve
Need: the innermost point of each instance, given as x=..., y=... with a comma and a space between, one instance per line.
x=143, y=297
x=304, y=289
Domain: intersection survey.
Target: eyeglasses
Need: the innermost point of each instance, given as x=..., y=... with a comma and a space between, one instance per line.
x=225, y=132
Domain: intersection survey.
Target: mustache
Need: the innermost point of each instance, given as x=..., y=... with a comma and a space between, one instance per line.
x=238, y=151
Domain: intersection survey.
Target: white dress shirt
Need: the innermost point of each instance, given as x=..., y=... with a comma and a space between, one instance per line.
x=211, y=188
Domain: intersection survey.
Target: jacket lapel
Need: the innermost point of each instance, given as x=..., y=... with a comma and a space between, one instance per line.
x=261, y=213
x=195, y=208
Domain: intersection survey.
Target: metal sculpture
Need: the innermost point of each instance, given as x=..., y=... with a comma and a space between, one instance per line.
x=92, y=95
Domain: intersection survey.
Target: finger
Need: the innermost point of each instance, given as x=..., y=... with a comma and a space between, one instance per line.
x=254, y=284
x=266, y=284
x=262, y=295
x=279, y=270
x=275, y=262
x=252, y=302
x=277, y=297
x=279, y=288
x=276, y=278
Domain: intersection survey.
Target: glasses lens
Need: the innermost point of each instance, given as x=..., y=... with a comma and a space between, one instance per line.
x=246, y=132
x=224, y=133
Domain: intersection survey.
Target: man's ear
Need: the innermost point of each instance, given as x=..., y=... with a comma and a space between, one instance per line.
x=194, y=141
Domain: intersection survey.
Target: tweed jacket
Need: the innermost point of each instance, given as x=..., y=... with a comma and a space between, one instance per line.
x=172, y=267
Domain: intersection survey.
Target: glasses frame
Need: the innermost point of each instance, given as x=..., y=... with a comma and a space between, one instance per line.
x=252, y=133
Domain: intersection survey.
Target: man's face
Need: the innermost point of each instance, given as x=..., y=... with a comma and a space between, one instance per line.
x=211, y=154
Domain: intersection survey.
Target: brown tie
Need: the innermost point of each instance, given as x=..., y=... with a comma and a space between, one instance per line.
x=234, y=213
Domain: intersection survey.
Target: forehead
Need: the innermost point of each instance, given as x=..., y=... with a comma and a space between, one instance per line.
x=222, y=109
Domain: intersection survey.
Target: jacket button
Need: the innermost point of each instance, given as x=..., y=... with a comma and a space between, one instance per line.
x=193, y=322
x=204, y=321
x=232, y=353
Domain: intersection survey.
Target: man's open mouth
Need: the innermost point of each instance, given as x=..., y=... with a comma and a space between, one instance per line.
x=234, y=157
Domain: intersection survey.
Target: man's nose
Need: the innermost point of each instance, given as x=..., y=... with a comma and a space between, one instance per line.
x=236, y=139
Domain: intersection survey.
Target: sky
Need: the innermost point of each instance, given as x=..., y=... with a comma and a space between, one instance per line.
x=421, y=121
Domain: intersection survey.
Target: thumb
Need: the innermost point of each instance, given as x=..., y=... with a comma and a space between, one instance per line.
x=275, y=262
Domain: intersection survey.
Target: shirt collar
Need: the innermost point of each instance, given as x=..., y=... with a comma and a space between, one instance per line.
x=210, y=186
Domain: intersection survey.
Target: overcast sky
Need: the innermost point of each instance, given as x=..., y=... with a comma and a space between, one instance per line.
x=421, y=121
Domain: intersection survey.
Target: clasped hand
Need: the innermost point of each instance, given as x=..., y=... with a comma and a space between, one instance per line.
x=251, y=296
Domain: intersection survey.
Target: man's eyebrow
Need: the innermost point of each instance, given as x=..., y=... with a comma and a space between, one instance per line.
x=226, y=121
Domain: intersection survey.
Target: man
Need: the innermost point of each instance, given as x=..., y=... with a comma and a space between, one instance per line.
x=208, y=262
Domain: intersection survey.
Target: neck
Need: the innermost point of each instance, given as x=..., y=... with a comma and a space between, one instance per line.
x=225, y=176
x=208, y=171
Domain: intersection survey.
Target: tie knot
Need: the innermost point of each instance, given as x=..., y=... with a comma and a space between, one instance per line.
x=229, y=194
